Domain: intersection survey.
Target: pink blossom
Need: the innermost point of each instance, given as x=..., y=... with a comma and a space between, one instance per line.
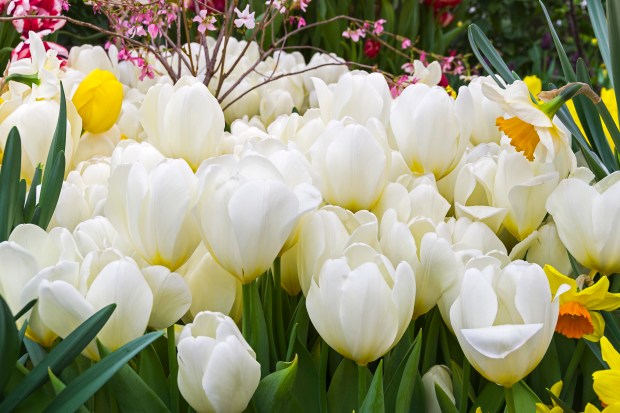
x=301, y=4
x=245, y=18
x=408, y=68
x=205, y=21
x=378, y=27
x=19, y=8
x=354, y=35
x=277, y=4
x=405, y=44
x=22, y=51
x=301, y=22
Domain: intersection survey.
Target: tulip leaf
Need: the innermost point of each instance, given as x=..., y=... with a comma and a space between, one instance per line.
x=26, y=308
x=301, y=320
x=31, y=199
x=152, y=372
x=50, y=190
x=567, y=68
x=130, y=391
x=9, y=344
x=59, y=358
x=445, y=403
x=408, y=380
x=18, y=218
x=9, y=183
x=36, y=353
x=259, y=339
x=374, y=401
x=613, y=30
x=491, y=399
x=274, y=392
x=342, y=393
x=306, y=389
x=525, y=399
x=612, y=330
x=82, y=388
x=564, y=406
x=59, y=140
x=482, y=47
x=599, y=24
x=433, y=323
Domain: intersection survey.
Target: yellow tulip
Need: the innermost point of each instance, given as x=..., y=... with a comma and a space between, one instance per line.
x=98, y=100
x=579, y=307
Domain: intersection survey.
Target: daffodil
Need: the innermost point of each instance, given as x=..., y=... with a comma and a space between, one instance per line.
x=528, y=123
x=543, y=408
x=579, y=307
x=608, y=96
x=534, y=84
x=607, y=382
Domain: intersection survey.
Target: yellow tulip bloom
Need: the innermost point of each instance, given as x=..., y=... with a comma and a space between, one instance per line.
x=98, y=100
x=607, y=382
x=579, y=316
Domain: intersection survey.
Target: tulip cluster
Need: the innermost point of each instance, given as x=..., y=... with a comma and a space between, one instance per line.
x=377, y=209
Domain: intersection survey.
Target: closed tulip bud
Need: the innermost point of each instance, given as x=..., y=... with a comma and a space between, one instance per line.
x=218, y=371
x=247, y=212
x=486, y=112
x=353, y=162
x=504, y=320
x=437, y=375
x=94, y=234
x=151, y=211
x=98, y=100
x=183, y=121
x=585, y=216
x=362, y=288
x=87, y=58
x=431, y=129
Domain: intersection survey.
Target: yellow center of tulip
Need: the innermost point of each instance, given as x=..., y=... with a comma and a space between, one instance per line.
x=522, y=135
x=574, y=320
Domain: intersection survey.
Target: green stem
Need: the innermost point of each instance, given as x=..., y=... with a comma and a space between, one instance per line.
x=174, y=370
x=277, y=310
x=572, y=367
x=510, y=400
x=362, y=385
x=464, y=386
x=245, y=317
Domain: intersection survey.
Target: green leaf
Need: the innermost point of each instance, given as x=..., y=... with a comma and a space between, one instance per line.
x=26, y=308
x=564, y=406
x=31, y=199
x=613, y=29
x=431, y=340
x=307, y=389
x=374, y=401
x=9, y=183
x=258, y=328
x=50, y=190
x=525, y=398
x=567, y=68
x=481, y=45
x=9, y=344
x=151, y=370
x=407, y=382
x=274, y=391
x=130, y=391
x=342, y=393
x=599, y=25
x=491, y=399
x=81, y=389
x=445, y=403
x=35, y=351
x=59, y=358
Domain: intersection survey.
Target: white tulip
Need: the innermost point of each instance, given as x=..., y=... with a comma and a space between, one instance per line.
x=87, y=58
x=151, y=211
x=437, y=375
x=360, y=304
x=586, y=221
x=484, y=129
x=353, y=162
x=183, y=121
x=128, y=152
x=549, y=249
x=218, y=371
x=95, y=234
x=504, y=320
x=431, y=129
x=247, y=212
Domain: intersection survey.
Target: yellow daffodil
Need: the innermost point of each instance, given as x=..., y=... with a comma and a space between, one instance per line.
x=534, y=84
x=98, y=100
x=608, y=96
x=607, y=382
x=579, y=307
x=543, y=408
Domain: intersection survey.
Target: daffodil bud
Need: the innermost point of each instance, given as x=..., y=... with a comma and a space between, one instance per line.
x=98, y=100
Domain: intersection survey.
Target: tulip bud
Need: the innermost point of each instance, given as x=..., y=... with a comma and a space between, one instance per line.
x=218, y=371
x=437, y=375
x=98, y=100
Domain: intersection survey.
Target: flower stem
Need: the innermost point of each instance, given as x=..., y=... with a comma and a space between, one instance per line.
x=572, y=367
x=362, y=385
x=510, y=400
x=245, y=317
x=173, y=366
x=277, y=303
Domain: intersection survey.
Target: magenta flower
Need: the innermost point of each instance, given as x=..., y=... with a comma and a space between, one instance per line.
x=378, y=27
x=405, y=44
x=354, y=35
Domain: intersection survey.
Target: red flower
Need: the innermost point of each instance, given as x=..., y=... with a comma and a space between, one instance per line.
x=438, y=4
x=22, y=51
x=18, y=8
x=372, y=48
x=446, y=18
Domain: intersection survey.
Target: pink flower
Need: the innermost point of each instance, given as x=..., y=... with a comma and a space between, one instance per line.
x=245, y=18
x=301, y=22
x=408, y=68
x=378, y=27
x=301, y=4
x=276, y=4
x=205, y=21
x=22, y=51
x=19, y=8
x=354, y=35
x=405, y=44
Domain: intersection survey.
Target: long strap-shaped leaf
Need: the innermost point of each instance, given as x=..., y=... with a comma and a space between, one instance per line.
x=613, y=29
x=9, y=183
x=59, y=358
x=82, y=388
x=599, y=24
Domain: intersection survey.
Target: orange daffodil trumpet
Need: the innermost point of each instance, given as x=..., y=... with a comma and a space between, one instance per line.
x=580, y=305
x=529, y=124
